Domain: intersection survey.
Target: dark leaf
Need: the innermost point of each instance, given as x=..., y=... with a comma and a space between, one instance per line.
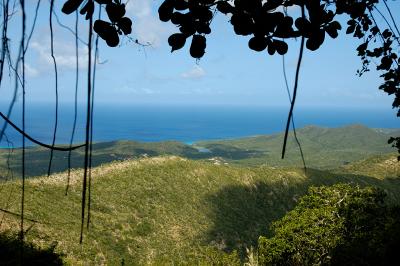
x=125, y=24
x=178, y=18
x=198, y=46
x=350, y=29
x=281, y=47
x=188, y=29
x=258, y=43
x=271, y=48
x=242, y=24
x=386, y=34
x=181, y=5
x=304, y=26
x=203, y=14
x=103, y=2
x=361, y=48
x=312, y=44
x=272, y=4
x=101, y=27
x=88, y=9
x=316, y=39
x=112, y=39
x=328, y=16
x=249, y=6
x=335, y=25
x=386, y=63
x=71, y=5
x=225, y=7
x=374, y=30
x=165, y=10
x=176, y=41
x=115, y=11
x=332, y=32
x=107, y=32
x=203, y=28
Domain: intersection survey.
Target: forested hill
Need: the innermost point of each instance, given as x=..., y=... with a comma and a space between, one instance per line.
x=323, y=148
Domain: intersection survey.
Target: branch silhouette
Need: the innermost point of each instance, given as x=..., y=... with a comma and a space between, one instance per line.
x=56, y=148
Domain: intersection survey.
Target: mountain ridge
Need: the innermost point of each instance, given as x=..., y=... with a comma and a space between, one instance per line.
x=324, y=148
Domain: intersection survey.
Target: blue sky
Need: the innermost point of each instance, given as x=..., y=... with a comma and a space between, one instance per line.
x=229, y=74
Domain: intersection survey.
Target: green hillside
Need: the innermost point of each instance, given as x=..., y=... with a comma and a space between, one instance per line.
x=37, y=158
x=324, y=148
x=165, y=210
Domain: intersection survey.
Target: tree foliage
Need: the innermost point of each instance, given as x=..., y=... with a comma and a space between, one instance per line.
x=338, y=225
x=110, y=30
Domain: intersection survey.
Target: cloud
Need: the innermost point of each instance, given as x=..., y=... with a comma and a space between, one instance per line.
x=30, y=71
x=196, y=72
x=138, y=91
x=64, y=54
x=147, y=28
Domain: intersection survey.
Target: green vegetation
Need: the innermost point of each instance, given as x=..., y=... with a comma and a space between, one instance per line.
x=324, y=148
x=337, y=225
x=169, y=210
x=37, y=158
x=378, y=166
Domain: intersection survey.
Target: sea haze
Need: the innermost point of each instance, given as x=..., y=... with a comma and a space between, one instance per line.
x=185, y=123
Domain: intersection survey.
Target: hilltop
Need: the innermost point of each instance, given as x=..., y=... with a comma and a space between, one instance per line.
x=324, y=148
x=170, y=209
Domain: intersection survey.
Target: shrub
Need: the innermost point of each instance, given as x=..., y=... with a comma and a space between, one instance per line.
x=337, y=225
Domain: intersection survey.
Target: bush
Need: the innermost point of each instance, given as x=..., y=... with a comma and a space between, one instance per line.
x=337, y=225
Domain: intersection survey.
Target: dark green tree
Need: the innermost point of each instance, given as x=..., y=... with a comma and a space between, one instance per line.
x=337, y=225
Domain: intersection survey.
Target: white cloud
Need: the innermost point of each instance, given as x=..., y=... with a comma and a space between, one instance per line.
x=64, y=53
x=146, y=26
x=31, y=71
x=138, y=91
x=196, y=72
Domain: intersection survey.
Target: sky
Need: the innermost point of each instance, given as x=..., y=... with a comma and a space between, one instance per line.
x=229, y=73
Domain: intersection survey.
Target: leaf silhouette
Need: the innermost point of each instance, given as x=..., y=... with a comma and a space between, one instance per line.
x=115, y=11
x=71, y=5
x=198, y=46
x=125, y=24
x=258, y=43
x=177, y=41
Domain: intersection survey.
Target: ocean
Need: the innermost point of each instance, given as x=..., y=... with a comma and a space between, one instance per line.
x=188, y=124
